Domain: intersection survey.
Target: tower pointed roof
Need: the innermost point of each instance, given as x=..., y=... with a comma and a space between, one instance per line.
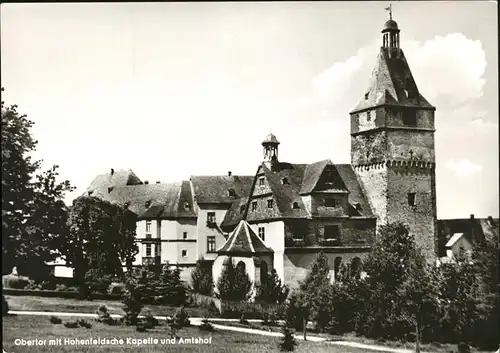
x=392, y=82
x=244, y=241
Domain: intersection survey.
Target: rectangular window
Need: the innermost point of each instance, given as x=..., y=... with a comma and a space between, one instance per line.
x=411, y=199
x=331, y=202
x=410, y=117
x=269, y=203
x=210, y=217
x=148, y=236
x=254, y=205
x=184, y=235
x=368, y=115
x=148, y=226
x=158, y=249
x=148, y=250
x=242, y=209
x=262, y=233
x=211, y=243
x=261, y=181
x=184, y=253
x=332, y=232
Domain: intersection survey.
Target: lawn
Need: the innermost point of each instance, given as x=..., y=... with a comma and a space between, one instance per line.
x=430, y=347
x=32, y=303
x=38, y=327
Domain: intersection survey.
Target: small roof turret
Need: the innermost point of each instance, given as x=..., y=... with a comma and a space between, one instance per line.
x=270, y=140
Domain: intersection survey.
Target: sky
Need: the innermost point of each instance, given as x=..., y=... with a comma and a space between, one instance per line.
x=171, y=90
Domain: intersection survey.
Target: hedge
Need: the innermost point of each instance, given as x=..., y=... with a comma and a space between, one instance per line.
x=58, y=294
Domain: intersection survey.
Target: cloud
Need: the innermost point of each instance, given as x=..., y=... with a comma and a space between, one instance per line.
x=464, y=167
x=484, y=126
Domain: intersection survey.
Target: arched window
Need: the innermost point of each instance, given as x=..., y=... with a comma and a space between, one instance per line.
x=337, y=267
x=356, y=267
x=263, y=272
x=241, y=266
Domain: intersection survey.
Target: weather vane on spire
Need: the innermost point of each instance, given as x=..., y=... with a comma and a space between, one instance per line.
x=390, y=10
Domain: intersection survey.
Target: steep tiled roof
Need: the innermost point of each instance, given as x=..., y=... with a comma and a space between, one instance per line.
x=477, y=229
x=454, y=239
x=102, y=182
x=243, y=240
x=234, y=215
x=161, y=200
x=392, y=83
x=358, y=202
x=307, y=178
x=215, y=189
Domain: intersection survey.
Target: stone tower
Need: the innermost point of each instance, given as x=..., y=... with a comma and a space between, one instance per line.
x=392, y=145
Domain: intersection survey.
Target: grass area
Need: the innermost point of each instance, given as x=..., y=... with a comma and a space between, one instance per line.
x=32, y=303
x=428, y=347
x=38, y=327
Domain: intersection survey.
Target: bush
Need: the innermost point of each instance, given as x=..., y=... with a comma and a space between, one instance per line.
x=211, y=309
x=168, y=288
x=288, y=344
x=84, y=323
x=133, y=300
x=201, y=278
x=5, y=306
x=97, y=281
x=234, y=283
x=181, y=317
x=272, y=291
x=71, y=324
x=252, y=310
x=243, y=320
x=150, y=321
x=117, y=288
x=55, y=320
x=140, y=328
x=15, y=281
x=206, y=325
x=104, y=316
x=61, y=288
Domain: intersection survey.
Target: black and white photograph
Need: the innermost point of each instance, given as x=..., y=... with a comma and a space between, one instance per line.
x=250, y=177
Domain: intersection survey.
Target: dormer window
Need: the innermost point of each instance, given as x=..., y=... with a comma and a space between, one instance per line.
x=285, y=181
x=242, y=209
x=367, y=94
x=231, y=193
x=187, y=206
x=261, y=181
x=110, y=189
x=270, y=203
x=295, y=205
x=90, y=192
x=148, y=203
x=357, y=205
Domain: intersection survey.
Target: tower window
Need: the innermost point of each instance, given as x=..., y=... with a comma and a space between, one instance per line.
x=332, y=232
x=254, y=205
x=231, y=193
x=411, y=199
x=184, y=235
x=410, y=117
x=269, y=203
x=261, y=181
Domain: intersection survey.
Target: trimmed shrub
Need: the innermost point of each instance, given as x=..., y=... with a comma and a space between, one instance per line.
x=206, y=325
x=104, y=316
x=97, y=281
x=201, y=278
x=140, y=328
x=15, y=281
x=243, y=320
x=252, y=310
x=61, y=288
x=181, y=318
x=71, y=324
x=55, y=320
x=150, y=321
x=133, y=300
x=84, y=323
x=117, y=288
x=288, y=344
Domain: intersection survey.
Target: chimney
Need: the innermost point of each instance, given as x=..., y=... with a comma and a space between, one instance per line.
x=229, y=173
x=112, y=171
x=157, y=182
x=146, y=182
x=472, y=216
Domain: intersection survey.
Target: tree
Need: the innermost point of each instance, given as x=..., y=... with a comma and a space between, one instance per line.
x=234, y=283
x=201, y=278
x=169, y=288
x=288, y=344
x=100, y=236
x=272, y=290
x=33, y=211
